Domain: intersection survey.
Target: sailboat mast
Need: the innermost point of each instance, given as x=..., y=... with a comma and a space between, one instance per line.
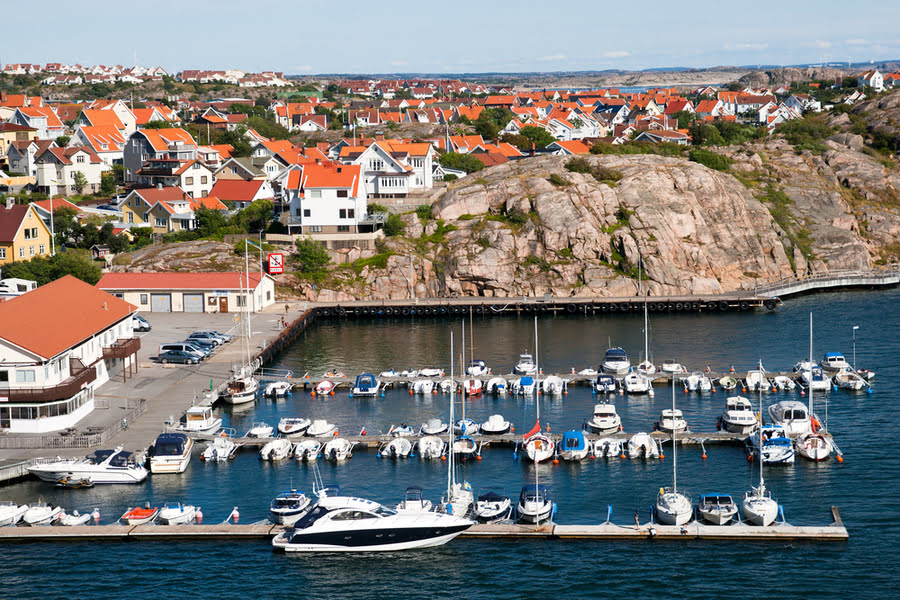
x=537, y=374
x=450, y=429
x=761, y=482
x=810, y=366
x=674, y=444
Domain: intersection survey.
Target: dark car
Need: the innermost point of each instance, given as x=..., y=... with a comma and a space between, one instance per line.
x=177, y=356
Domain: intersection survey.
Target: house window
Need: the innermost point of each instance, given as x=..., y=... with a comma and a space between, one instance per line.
x=144, y=299
x=342, y=193
x=30, y=250
x=234, y=170
x=25, y=376
x=21, y=251
x=315, y=229
x=343, y=228
x=146, y=217
x=4, y=376
x=188, y=181
x=203, y=179
x=42, y=248
x=2, y=253
x=307, y=212
x=242, y=301
x=315, y=193
x=268, y=295
x=196, y=166
x=79, y=158
x=342, y=213
x=160, y=222
x=351, y=213
x=376, y=164
x=298, y=212
x=131, y=217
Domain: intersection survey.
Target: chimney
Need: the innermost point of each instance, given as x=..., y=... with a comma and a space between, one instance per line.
x=159, y=186
x=9, y=202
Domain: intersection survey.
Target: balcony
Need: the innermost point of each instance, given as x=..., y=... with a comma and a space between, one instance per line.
x=81, y=376
x=123, y=348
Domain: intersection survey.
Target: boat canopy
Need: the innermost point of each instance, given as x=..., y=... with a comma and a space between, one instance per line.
x=573, y=440
x=833, y=355
x=616, y=354
x=604, y=378
x=476, y=362
x=534, y=492
x=528, y=380
x=491, y=497
x=365, y=380
x=170, y=444
x=778, y=441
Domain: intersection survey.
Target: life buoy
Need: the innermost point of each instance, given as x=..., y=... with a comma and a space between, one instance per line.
x=814, y=424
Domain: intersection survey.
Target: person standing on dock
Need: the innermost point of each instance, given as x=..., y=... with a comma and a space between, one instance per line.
x=637, y=521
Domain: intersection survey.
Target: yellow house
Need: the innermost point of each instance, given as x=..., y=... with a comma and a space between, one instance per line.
x=23, y=234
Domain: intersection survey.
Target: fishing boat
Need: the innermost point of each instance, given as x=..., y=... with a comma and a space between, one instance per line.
x=366, y=386
x=792, y=415
x=495, y=425
x=671, y=421
x=673, y=507
x=526, y=365
x=293, y=425
x=199, y=420
x=605, y=384
x=574, y=446
x=101, y=466
x=307, y=450
x=320, y=428
x=176, y=513
x=815, y=379
x=717, y=509
x=338, y=449
x=738, y=416
x=834, y=361
x=849, y=380
x=615, y=362
x=325, y=387
x=423, y=386
x=553, y=385
x=758, y=506
x=433, y=427
x=636, y=383
x=642, y=445
x=609, y=448
x=171, y=453
x=727, y=383
x=414, y=501
x=430, y=447
x=672, y=366
x=11, y=513
x=399, y=447
x=277, y=389
x=277, y=449
x=41, y=513
x=814, y=445
x=605, y=419
x=777, y=447
x=288, y=506
x=496, y=386
x=477, y=368
x=491, y=507
x=260, y=429
x=75, y=519
x=534, y=505
x=221, y=448
x=140, y=515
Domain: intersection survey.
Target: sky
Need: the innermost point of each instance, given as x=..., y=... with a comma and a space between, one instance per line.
x=306, y=37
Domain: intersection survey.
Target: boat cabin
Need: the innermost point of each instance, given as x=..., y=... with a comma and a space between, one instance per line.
x=170, y=444
x=616, y=354
x=573, y=440
x=117, y=458
x=834, y=361
x=198, y=416
x=534, y=492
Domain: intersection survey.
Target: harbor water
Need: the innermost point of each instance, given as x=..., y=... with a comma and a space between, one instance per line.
x=863, y=485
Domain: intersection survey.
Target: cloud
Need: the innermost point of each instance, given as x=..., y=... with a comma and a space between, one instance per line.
x=399, y=63
x=559, y=56
x=746, y=46
x=822, y=44
x=616, y=54
x=857, y=42
x=303, y=68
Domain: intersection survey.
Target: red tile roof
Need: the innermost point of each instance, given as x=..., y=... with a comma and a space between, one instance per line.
x=100, y=118
x=10, y=220
x=177, y=281
x=236, y=190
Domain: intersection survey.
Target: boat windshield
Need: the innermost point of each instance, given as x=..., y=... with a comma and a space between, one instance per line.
x=311, y=517
x=383, y=511
x=169, y=448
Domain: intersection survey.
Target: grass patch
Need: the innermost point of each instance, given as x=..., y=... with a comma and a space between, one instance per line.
x=622, y=216
x=440, y=232
x=542, y=263
x=423, y=211
x=378, y=261
x=559, y=180
x=778, y=204
x=481, y=181
x=710, y=159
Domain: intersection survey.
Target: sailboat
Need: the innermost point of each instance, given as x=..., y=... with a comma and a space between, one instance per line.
x=538, y=447
x=759, y=508
x=813, y=444
x=459, y=498
x=241, y=388
x=465, y=427
x=645, y=367
x=673, y=508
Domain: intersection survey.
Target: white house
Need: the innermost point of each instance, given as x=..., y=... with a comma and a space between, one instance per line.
x=56, y=169
x=872, y=79
x=393, y=169
x=325, y=197
x=106, y=141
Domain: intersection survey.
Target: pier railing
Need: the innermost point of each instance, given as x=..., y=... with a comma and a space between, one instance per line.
x=786, y=286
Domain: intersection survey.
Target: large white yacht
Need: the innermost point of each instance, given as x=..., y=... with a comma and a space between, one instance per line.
x=103, y=466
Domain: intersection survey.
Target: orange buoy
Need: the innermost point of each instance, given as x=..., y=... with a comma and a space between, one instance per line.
x=750, y=458
x=661, y=455
x=512, y=429
x=555, y=461
x=732, y=368
x=622, y=455
x=332, y=392
x=443, y=458
x=840, y=458
x=478, y=457
x=703, y=456
x=335, y=433
x=743, y=389
x=312, y=393
x=593, y=457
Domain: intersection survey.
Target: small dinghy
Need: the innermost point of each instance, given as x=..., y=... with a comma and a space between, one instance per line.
x=11, y=513
x=495, y=425
x=75, y=482
x=413, y=502
x=642, y=445
x=307, y=450
x=399, y=447
x=423, y=386
x=293, y=425
x=849, y=380
x=277, y=449
x=338, y=449
x=727, y=383
x=464, y=447
x=430, y=447
x=433, y=427
x=75, y=519
x=430, y=372
x=553, y=385
x=176, y=513
x=320, y=428
x=277, y=389
x=783, y=383
x=41, y=513
x=260, y=430
x=219, y=449
x=609, y=448
x=491, y=507
x=325, y=387
x=140, y=515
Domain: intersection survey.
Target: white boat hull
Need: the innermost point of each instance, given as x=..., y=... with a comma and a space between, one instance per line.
x=673, y=509
x=177, y=517
x=759, y=511
x=814, y=446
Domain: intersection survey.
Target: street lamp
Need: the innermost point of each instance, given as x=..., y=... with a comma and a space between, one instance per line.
x=855, y=327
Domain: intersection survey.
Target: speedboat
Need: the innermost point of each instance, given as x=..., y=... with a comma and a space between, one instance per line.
x=396, y=448
x=277, y=389
x=260, y=430
x=784, y=383
x=414, y=502
x=491, y=507
x=759, y=507
x=496, y=385
x=534, y=505
x=834, y=361
x=325, y=387
x=815, y=379
x=288, y=506
x=219, y=449
x=697, y=382
x=477, y=368
x=717, y=509
x=524, y=386
x=738, y=416
x=338, y=449
x=433, y=427
x=526, y=365
x=320, y=428
x=307, y=450
x=588, y=372
x=102, y=466
x=75, y=519
x=636, y=383
x=277, y=449
x=401, y=430
x=495, y=425
x=293, y=425
x=609, y=448
x=671, y=419
x=553, y=385
x=171, y=453
x=430, y=447
x=615, y=362
x=574, y=446
x=792, y=415
x=605, y=383
x=642, y=445
x=673, y=507
x=849, y=380
x=472, y=386
x=176, y=513
x=423, y=386
x=41, y=513
x=814, y=446
x=140, y=515
x=241, y=389
x=465, y=427
x=464, y=447
x=671, y=366
x=539, y=447
x=430, y=372
x=756, y=380
x=11, y=513
x=366, y=386
x=605, y=419
x=345, y=524
x=389, y=373
x=777, y=447
x=200, y=420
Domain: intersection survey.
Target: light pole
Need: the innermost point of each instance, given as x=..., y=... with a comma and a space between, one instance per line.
x=855, y=327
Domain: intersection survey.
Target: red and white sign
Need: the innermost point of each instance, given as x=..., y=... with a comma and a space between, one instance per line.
x=276, y=262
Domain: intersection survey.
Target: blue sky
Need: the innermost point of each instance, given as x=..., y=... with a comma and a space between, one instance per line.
x=352, y=36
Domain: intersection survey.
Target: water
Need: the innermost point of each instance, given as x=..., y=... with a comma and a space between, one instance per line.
x=862, y=486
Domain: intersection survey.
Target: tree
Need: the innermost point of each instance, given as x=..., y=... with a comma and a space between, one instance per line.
x=684, y=118
x=108, y=183
x=465, y=162
x=541, y=138
x=62, y=140
x=519, y=141
x=210, y=222
x=311, y=256
x=486, y=129
x=254, y=218
x=157, y=124
x=79, y=182
x=394, y=226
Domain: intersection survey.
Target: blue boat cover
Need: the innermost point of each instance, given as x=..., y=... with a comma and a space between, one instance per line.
x=527, y=380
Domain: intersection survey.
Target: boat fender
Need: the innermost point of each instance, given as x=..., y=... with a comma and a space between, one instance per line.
x=745, y=305
x=198, y=516
x=443, y=310
x=723, y=305
x=340, y=311
x=624, y=307
x=404, y=311
x=769, y=304
x=571, y=308
x=651, y=307
x=679, y=306
x=695, y=306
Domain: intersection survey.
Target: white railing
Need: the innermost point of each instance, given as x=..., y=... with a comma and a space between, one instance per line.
x=884, y=276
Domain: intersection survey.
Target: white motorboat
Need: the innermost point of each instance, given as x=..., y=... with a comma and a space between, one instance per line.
x=496, y=385
x=325, y=387
x=241, y=388
x=320, y=428
x=605, y=384
x=534, y=505
x=834, y=361
x=615, y=362
x=345, y=524
x=401, y=430
x=307, y=450
x=409, y=373
x=396, y=448
x=277, y=389
x=524, y=386
x=433, y=427
x=368, y=386
x=589, y=372
x=260, y=430
x=777, y=448
x=792, y=415
x=553, y=385
x=849, y=380
x=697, y=382
x=642, y=445
x=491, y=507
x=389, y=373
x=609, y=448
x=574, y=446
x=199, y=420
x=672, y=366
x=605, y=419
x=431, y=372
x=288, y=506
x=671, y=420
x=477, y=368
x=495, y=425
x=636, y=383
x=465, y=427
x=430, y=447
x=414, y=502
x=293, y=425
x=757, y=381
x=277, y=449
x=727, y=383
x=526, y=365
x=140, y=515
x=539, y=447
x=464, y=447
x=75, y=519
x=472, y=386
x=814, y=446
x=41, y=513
x=171, y=453
x=673, y=507
x=423, y=386
x=338, y=449
x=815, y=379
x=717, y=509
x=219, y=449
x=784, y=383
x=446, y=386
x=11, y=513
x=102, y=466
x=645, y=367
x=176, y=513
x=738, y=416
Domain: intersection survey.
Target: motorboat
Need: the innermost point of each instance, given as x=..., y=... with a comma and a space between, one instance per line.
x=446, y=386
x=849, y=380
x=815, y=379
x=260, y=430
x=199, y=420
x=399, y=447
x=645, y=367
x=293, y=425
x=171, y=453
x=401, y=430
x=609, y=448
x=672, y=366
x=277, y=389
x=366, y=386
x=11, y=513
x=389, y=373
x=534, y=505
x=241, y=388
x=41, y=513
x=495, y=425
x=756, y=380
x=738, y=416
x=413, y=501
x=140, y=515
x=776, y=446
x=325, y=387
x=803, y=365
x=814, y=446
x=320, y=428
x=338, y=449
x=605, y=420
x=75, y=519
x=636, y=383
x=221, y=448
x=574, y=446
x=524, y=386
x=430, y=447
x=526, y=365
x=176, y=513
x=346, y=524
x=465, y=427
x=288, y=506
x=472, y=386
x=867, y=374
x=433, y=427
x=477, y=368
x=697, y=382
x=727, y=383
x=792, y=415
x=642, y=445
x=464, y=447
x=423, y=386
x=431, y=372
x=553, y=385
x=496, y=385
x=671, y=420
x=277, y=449
x=605, y=384
x=615, y=362
x=335, y=374
x=588, y=372
x=101, y=466
x=307, y=450
x=491, y=507
x=717, y=509
x=834, y=361
x=539, y=447
x=409, y=373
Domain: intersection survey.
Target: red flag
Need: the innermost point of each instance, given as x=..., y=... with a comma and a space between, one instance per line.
x=534, y=430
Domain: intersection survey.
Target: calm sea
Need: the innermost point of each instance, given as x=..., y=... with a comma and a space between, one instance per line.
x=863, y=486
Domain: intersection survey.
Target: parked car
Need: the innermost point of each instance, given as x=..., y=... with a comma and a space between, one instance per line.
x=140, y=323
x=222, y=336
x=207, y=338
x=184, y=347
x=206, y=347
x=107, y=207
x=178, y=356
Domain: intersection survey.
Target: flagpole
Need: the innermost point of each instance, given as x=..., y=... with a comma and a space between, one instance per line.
x=52, y=233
